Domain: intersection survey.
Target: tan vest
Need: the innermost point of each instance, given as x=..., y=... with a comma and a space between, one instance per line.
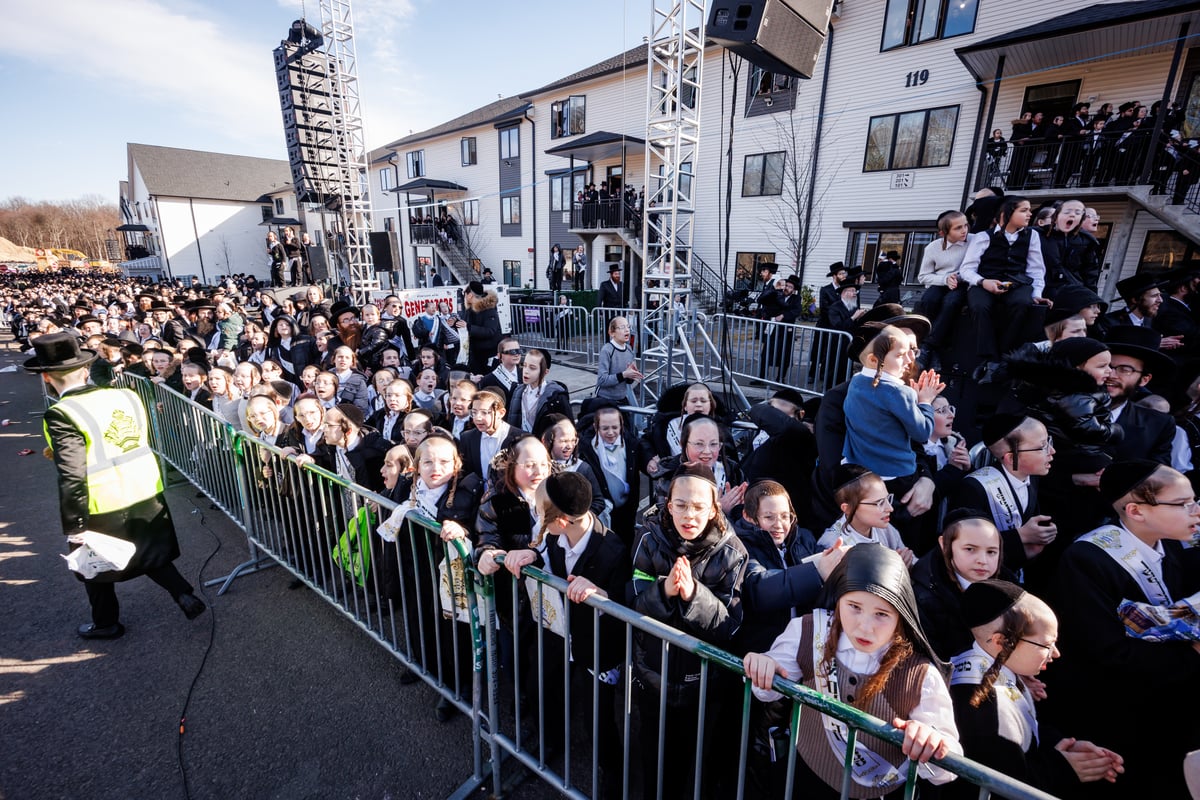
x=898, y=698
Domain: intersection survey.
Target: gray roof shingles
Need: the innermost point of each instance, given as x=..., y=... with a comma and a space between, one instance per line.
x=174, y=172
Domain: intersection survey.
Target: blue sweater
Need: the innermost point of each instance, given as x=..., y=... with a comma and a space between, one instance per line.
x=881, y=424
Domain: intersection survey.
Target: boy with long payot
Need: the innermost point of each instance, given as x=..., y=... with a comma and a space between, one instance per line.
x=1009, y=492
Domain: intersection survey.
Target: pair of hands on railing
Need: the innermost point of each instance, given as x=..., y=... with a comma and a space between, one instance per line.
x=578, y=589
x=921, y=742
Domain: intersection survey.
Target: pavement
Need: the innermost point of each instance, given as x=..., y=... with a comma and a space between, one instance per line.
x=288, y=698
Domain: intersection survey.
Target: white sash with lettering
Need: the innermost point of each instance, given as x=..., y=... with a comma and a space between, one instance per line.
x=1014, y=706
x=1002, y=500
x=1118, y=544
x=867, y=767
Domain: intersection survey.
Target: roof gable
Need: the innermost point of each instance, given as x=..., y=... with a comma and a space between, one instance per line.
x=175, y=172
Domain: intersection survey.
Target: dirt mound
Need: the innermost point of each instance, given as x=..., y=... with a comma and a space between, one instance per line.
x=12, y=252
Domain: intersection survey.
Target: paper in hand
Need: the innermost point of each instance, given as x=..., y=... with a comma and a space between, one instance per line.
x=99, y=553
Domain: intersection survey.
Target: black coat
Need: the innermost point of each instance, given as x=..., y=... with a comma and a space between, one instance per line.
x=555, y=399
x=1112, y=678
x=366, y=458
x=971, y=494
x=605, y=562
x=147, y=524
x=1148, y=434
x=612, y=296
x=775, y=585
x=468, y=448
x=484, y=332
x=789, y=456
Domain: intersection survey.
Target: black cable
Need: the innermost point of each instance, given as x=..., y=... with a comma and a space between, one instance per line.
x=212, y=634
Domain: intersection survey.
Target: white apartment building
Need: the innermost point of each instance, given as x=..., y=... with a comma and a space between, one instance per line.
x=894, y=120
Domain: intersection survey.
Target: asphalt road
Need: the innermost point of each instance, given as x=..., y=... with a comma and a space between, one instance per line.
x=293, y=701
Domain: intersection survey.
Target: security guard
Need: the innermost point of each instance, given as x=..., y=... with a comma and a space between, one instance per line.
x=108, y=479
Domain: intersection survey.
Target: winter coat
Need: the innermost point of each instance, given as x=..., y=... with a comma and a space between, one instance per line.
x=483, y=331
x=776, y=584
x=714, y=614
x=555, y=399
x=1068, y=402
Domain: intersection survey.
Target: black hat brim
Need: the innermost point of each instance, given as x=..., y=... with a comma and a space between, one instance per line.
x=86, y=357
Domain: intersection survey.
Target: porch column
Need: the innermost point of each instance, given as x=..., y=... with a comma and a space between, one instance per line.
x=1156, y=137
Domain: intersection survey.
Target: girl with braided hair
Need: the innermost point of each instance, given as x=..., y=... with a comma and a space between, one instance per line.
x=863, y=645
x=1015, y=634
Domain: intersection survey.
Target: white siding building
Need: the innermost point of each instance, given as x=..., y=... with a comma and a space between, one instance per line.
x=908, y=102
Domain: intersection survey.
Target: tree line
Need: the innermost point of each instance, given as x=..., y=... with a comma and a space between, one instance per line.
x=82, y=224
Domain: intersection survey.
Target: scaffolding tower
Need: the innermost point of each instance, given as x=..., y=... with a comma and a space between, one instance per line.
x=674, y=69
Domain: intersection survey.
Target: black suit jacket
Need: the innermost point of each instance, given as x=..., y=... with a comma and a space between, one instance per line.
x=606, y=563
x=468, y=448
x=1148, y=434
x=1175, y=319
x=612, y=296
x=970, y=494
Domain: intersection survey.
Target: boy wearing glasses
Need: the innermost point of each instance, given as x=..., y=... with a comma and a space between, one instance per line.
x=505, y=378
x=490, y=435
x=1009, y=492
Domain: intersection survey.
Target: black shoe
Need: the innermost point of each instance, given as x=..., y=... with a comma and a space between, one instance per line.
x=90, y=631
x=444, y=710
x=192, y=606
x=408, y=677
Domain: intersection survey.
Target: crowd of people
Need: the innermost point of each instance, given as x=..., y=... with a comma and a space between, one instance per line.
x=850, y=542
x=1102, y=148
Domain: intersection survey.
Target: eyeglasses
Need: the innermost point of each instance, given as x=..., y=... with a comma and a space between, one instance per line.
x=1126, y=370
x=684, y=507
x=1188, y=506
x=882, y=503
x=1047, y=647
x=534, y=466
x=945, y=411
x=767, y=520
x=481, y=413
x=514, y=351
x=1044, y=448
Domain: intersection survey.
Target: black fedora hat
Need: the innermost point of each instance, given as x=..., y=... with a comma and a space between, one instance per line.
x=835, y=268
x=1136, y=285
x=59, y=352
x=1137, y=341
x=341, y=307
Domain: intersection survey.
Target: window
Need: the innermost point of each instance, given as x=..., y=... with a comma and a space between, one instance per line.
x=745, y=271
x=1163, y=251
x=910, y=140
x=510, y=143
x=389, y=224
x=510, y=210
x=764, y=82
x=564, y=190
x=267, y=213
x=867, y=245
x=385, y=179
x=909, y=22
x=512, y=273
x=467, y=146
x=470, y=212
x=567, y=116
x=279, y=206
x=762, y=174
x=685, y=182
x=416, y=164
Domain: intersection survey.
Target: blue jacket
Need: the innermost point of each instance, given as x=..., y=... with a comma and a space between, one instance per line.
x=774, y=584
x=880, y=422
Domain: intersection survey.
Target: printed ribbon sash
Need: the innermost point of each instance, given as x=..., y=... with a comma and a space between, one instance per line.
x=1118, y=544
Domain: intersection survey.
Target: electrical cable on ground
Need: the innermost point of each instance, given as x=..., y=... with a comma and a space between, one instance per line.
x=212, y=632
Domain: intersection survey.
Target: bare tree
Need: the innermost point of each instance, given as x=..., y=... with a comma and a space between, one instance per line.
x=82, y=224
x=472, y=239
x=801, y=207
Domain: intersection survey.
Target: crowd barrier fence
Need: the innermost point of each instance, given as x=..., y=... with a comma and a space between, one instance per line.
x=423, y=600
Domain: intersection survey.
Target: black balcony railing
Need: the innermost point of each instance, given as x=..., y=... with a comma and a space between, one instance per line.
x=1076, y=164
x=612, y=213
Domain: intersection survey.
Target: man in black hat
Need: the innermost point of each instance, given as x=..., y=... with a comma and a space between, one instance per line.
x=830, y=294
x=1136, y=360
x=778, y=339
x=278, y=257
x=888, y=277
x=612, y=291
x=1142, y=294
x=108, y=480
x=1175, y=319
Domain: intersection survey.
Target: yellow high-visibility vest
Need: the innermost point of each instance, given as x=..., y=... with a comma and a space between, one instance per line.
x=121, y=468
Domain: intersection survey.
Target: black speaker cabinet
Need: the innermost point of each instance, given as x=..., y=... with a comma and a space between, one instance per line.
x=385, y=251
x=318, y=263
x=771, y=34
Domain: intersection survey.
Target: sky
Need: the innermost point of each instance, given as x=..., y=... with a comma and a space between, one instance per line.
x=79, y=79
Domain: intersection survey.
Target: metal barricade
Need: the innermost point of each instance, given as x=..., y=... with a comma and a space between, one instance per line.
x=558, y=329
x=580, y=761
x=812, y=360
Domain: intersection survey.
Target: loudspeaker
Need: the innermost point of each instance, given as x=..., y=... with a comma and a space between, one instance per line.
x=318, y=263
x=783, y=36
x=385, y=251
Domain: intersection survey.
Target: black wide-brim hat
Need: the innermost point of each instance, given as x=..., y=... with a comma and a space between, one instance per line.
x=341, y=308
x=1138, y=341
x=59, y=352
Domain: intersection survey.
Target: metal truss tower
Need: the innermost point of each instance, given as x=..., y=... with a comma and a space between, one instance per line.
x=674, y=68
x=351, y=204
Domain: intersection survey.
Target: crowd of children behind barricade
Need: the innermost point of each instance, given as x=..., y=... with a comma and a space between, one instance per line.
x=852, y=543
